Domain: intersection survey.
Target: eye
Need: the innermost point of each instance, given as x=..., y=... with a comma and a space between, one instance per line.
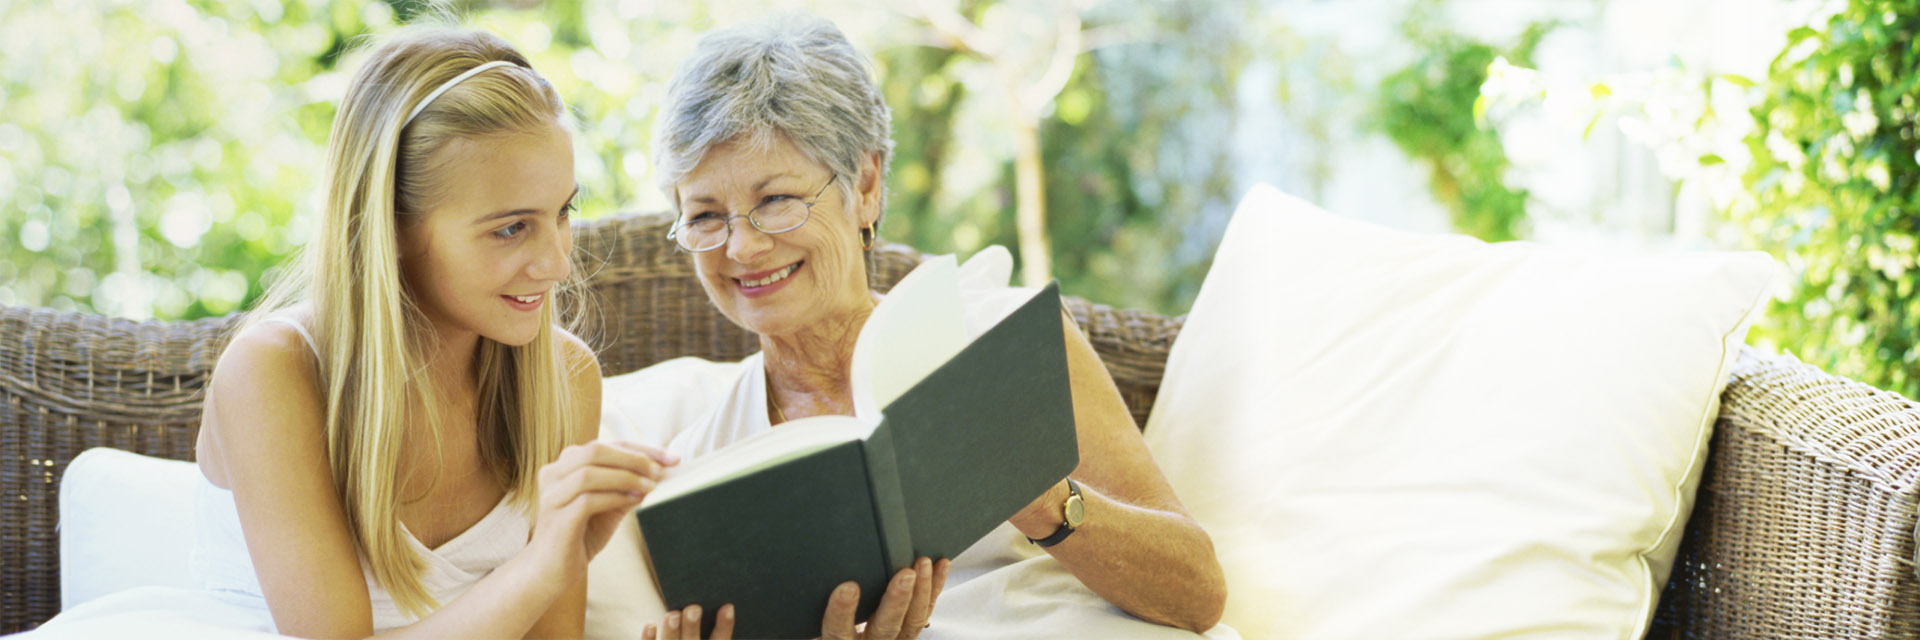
x=511, y=231
x=567, y=211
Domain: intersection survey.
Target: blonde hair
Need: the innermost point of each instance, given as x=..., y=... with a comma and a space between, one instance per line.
x=372, y=338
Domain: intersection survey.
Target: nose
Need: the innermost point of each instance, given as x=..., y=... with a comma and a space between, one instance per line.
x=553, y=260
x=746, y=242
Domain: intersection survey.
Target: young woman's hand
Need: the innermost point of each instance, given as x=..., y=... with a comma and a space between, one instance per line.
x=903, y=611
x=685, y=625
x=587, y=491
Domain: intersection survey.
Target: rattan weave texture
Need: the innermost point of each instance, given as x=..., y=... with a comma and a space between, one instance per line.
x=1804, y=524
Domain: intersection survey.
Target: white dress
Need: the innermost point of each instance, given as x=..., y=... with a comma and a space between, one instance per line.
x=230, y=602
x=1001, y=587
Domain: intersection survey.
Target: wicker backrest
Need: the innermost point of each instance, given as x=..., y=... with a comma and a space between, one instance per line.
x=70, y=382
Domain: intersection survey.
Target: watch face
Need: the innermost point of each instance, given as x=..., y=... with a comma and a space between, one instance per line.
x=1076, y=511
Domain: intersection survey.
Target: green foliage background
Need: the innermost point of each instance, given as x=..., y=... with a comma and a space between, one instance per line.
x=1430, y=110
x=159, y=157
x=1836, y=189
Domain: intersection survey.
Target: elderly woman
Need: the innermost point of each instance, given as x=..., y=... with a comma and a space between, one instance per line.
x=774, y=148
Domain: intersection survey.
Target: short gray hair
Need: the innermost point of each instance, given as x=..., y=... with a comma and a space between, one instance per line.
x=793, y=74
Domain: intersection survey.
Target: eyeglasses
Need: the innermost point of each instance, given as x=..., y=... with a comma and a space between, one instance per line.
x=780, y=214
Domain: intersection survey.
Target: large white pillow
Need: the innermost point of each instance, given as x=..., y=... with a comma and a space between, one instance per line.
x=648, y=406
x=126, y=520
x=1393, y=435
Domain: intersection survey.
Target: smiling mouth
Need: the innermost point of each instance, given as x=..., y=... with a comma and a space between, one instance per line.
x=771, y=278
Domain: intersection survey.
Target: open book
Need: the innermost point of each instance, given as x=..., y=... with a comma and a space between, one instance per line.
x=950, y=438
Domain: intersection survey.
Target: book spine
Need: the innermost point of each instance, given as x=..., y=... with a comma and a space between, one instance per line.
x=889, y=501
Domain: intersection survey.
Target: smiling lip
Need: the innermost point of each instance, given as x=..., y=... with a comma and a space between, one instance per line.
x=780, y=277
x=525, y=303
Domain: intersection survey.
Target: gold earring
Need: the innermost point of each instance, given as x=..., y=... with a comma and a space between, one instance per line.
x=866, y=238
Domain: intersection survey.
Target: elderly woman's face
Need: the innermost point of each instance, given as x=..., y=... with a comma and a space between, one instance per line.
x=774, y=284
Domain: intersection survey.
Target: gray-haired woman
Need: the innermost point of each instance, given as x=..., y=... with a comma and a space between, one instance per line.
x=774, y=148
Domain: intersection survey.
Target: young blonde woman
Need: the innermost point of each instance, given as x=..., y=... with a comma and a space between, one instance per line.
x=399, y=442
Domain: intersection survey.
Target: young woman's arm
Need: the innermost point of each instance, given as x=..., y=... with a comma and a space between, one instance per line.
x=265, y=412
x=567, y=618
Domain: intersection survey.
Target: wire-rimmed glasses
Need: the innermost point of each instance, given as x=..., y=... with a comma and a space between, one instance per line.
x=779, y=214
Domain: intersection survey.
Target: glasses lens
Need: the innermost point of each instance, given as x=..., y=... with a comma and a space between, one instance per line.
x=703, y=235
x=780, y=215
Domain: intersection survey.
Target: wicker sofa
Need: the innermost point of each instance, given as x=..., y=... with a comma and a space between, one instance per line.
x=1804, y=526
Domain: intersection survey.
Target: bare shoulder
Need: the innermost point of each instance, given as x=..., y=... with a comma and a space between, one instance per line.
x=265, y=387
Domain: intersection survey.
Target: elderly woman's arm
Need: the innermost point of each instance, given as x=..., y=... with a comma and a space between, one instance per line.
x=1137, y=546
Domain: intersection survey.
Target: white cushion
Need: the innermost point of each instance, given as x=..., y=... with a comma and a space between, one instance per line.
x=648, y=406
x=126, y=520
x=1393, y=435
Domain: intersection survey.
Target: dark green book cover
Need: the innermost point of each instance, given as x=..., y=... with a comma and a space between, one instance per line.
x=958, y=453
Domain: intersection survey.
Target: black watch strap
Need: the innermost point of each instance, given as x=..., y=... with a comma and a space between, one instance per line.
x=1066, y=528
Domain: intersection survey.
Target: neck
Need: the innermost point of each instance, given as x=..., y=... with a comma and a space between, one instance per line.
x=809, y=371
x=450, y=357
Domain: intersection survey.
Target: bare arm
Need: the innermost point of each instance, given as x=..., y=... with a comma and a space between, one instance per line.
x=567, y=618
x=269, y=444
x=1138, y=547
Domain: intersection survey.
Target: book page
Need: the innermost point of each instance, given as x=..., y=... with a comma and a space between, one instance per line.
x=917, y=327
x=760, y=451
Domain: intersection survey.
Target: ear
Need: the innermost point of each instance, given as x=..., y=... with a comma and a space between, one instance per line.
x=868, y=188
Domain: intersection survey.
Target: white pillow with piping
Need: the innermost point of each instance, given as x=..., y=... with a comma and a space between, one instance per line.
x=1398, y=435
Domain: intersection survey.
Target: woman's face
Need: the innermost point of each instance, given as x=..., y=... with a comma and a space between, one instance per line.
x=776, y=284
x=487, y=257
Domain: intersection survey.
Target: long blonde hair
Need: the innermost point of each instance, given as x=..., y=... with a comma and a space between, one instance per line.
x=372, y=338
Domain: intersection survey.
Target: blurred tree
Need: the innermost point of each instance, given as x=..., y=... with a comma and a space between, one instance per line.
x=160, y=158
x=1432, y=110
x=1836, y=191
x=1130, y=142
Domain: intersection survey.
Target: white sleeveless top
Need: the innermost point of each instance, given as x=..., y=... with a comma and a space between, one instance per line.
x=220, y=562
x=1003, y=586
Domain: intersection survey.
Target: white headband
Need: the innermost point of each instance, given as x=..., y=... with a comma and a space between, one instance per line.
x=449, y=85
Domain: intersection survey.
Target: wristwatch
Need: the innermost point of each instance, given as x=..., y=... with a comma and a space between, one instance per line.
x=1075, y=512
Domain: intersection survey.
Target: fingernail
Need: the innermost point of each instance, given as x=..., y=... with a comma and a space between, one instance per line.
x=726, y=612
x=846, y=592
x=673, y=620
x=693, y=614
x=905, y=579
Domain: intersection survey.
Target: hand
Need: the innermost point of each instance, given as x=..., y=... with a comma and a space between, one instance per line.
x=587, y=490
x=690, y=630
x=903, y=610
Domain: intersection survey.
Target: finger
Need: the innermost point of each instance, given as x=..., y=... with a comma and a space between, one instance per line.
x=723, y=625
x=939, y=579
x=886, y=619
x=837, y=624
x=656, y=453
x=922, y=606
x=672, y=625
x=608, y=454
x=691, y=630
x=650, y=632
x=599, y=479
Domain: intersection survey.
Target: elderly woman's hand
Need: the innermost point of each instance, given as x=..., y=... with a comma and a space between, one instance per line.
x=903, y=611
x=685, y=625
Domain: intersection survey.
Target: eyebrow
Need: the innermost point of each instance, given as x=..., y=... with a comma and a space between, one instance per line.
x=757, y=186
x=521, y=212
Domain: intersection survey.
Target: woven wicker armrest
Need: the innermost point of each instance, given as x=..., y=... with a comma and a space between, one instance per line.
x=70, y=382
x=1804, y=525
